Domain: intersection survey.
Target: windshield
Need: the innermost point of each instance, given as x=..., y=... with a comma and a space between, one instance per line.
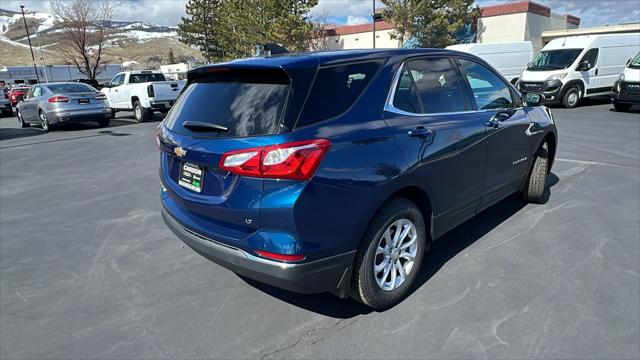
x=143, y=78
x=246, y=109
x=554, y=59
x=635, y=62
x=70, y=88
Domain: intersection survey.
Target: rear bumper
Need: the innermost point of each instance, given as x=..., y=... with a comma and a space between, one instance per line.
x=332, y=274
x=161, y=105
x=63, y=116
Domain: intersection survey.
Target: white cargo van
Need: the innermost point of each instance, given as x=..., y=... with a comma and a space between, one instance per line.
x=626, y=90
x=570, y=68
x=510, y=59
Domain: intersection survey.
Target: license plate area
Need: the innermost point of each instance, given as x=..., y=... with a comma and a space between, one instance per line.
x=191, y=177
x=83, y=101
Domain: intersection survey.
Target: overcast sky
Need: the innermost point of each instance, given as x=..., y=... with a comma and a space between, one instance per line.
x=168, y=12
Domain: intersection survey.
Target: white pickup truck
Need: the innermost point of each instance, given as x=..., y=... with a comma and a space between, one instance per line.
x=143, y=91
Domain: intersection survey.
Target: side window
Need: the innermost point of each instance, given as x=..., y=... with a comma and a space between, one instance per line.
x=489, y=90
x=591, y=56
x=37, y=91
x=29, y=93
x=335, y=89
x=406, y=95
x=437, y=85
x=117, y=80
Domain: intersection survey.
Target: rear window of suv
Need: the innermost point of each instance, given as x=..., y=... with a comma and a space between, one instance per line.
x=335, y=89
x=245, y=105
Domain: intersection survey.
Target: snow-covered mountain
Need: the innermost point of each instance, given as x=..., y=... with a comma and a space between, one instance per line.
x=47, y=25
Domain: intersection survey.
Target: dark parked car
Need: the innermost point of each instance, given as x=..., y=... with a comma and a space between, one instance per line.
x=52, y=104
x=17, y=94
x=93, y=82
x=332, y=172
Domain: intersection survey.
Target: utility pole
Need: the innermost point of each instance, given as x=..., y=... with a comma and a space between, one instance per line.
x=44, y=65
x=33, y=58
x=373, y=16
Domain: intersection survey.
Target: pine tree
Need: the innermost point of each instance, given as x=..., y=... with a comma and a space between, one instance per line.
x=433, y=23
x=198, y=28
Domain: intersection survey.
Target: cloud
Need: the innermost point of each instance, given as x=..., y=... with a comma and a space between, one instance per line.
x=356, y=20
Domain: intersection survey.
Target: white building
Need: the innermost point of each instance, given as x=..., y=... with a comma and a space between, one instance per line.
x=361, y=37
x=27, y=74
x=176, y=71
x=510, y=22
x=521, y=21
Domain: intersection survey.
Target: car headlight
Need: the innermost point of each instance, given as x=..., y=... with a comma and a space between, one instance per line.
x=621, y=77
x=559, y=76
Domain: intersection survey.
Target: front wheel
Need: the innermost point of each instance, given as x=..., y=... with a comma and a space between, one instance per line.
x=571, y=98
x=536, y=189
x=622, y=107
x=141, y=113
x=390, y=255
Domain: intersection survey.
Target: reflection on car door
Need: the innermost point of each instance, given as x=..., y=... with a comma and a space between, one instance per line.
x=28, y=105
x=508, y=139
x=439, y=138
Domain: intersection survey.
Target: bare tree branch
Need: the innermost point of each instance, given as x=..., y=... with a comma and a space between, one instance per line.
x=86, y=28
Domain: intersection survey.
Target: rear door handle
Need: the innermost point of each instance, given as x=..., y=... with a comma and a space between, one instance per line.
x=420, y=132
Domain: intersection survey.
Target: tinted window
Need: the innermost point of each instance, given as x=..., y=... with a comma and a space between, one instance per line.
x=70, y=88
x=335, y=89
x=142, y=78
x=437, y=85
x=246, y=109
x=635, y=62
x=489, y=90
x=406, y=96
x=592, y=57
x=554, y=59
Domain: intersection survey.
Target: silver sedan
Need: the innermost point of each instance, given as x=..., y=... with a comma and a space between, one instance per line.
x=51, y=104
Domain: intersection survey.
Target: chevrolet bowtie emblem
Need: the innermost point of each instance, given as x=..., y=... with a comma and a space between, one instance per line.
x=180, y=151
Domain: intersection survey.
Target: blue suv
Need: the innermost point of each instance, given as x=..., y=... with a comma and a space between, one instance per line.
x=332, y=172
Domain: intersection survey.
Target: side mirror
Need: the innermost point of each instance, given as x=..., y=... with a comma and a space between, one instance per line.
x=106, y=84
x=532, y=99
x=584, y=65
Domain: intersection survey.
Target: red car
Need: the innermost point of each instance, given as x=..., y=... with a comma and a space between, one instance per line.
x=17, y=94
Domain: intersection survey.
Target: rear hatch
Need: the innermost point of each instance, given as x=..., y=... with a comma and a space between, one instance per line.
x=251, y=105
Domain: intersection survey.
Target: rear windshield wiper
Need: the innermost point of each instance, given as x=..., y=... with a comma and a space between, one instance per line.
x=199, y=126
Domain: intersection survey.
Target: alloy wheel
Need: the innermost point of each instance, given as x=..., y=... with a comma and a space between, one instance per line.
x=395, y=254
x=43, y=121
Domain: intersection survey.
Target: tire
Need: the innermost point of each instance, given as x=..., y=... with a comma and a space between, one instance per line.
x=622, y=107
x=21, y=121
x=535, y=190
x=368, y=284
x=571, y=98
x=104, y=122
x=141, y=113
x=113, y=113
x=44, y=122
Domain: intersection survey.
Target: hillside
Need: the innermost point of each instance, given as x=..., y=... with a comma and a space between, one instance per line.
x=143, y=42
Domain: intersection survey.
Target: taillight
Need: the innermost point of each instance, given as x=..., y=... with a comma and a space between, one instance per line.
x=295, y=160
x=58, y=99
x=280, y=257
x=100, y=96
x=150, y=90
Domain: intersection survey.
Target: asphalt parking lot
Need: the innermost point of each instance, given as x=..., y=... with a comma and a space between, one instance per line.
x=89, y=270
